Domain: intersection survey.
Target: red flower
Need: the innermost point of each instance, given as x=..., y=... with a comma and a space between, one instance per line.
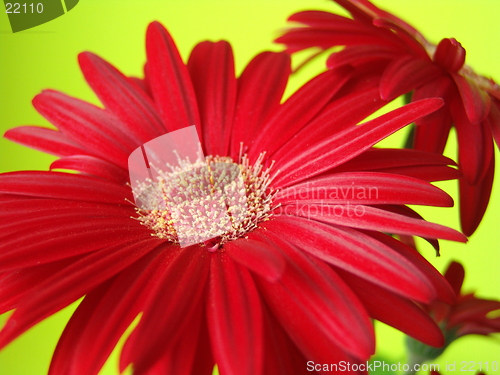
x=295, y=286
x=379, y=43
x=469, y=314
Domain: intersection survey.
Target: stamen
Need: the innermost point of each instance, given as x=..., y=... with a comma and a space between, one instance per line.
x=210, y=201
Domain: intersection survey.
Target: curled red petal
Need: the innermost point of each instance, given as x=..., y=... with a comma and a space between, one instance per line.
x=450, y=55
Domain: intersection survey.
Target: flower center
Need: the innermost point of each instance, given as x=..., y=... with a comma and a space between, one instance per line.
x=210, y=201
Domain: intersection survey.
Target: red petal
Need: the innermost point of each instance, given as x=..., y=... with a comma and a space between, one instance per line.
x=474, y=200
x=347, y=144
x=15, y=285
x=366, y=12
x=366, y=217
x=64, y=186
x=360, y=10
x=297, y=111
x=346, y=33
x=493, y=121
x=432, y=131
x=450, y=55
x=474, y=309
x=66, y=218
x=92, y=127
x=66, y=286
x=122, y=97
x=405, y=74
x=142, y=84
x=211, y=66
x=96, y=326
x=395, y=311
x=356, y=253
x=386, y=158
x=325, y=20
x=364, y=188
x=442, y=288
x=260, y=89
x=172, y=303
x=31, y=210
x=260, y=257
x=357, y=55
x=349, y=109
x=411, y=40
x=426, y=173
x=66, y=346
x=312, y=294
x=235, y=318
x=475, y=100
x=475, y=147
x=455, y=274
x=278, y=342
x=92, y=166
x=46, y=140
x=189, y=353
x=169, y=80
x=48, y=243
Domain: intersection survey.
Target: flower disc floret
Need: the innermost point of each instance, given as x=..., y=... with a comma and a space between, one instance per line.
x=213, y=198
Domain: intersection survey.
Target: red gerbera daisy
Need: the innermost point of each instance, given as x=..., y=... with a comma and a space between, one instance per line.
x=467, y=315
x=380, y=43
x=300, y=282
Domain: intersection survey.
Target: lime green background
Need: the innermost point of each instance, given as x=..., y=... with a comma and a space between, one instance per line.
x=45, y=57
